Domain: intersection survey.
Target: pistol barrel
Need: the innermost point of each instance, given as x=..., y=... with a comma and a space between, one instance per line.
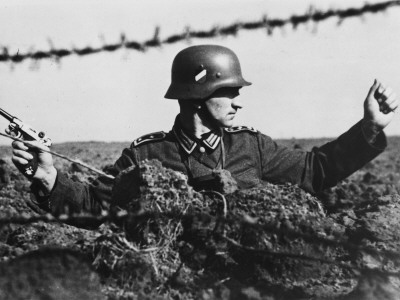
x=6, y=115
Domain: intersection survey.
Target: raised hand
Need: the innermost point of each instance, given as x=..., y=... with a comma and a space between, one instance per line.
x=380, y=105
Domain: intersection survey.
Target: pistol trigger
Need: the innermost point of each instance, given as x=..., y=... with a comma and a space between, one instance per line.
x=13, y=129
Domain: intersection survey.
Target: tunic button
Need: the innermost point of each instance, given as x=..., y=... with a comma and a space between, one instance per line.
x=202, y=150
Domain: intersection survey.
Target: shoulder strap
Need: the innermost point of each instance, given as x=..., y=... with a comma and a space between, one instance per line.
x=240, y=129
x=151, y=137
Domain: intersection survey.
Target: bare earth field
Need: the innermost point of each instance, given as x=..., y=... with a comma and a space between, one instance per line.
x=270, y=242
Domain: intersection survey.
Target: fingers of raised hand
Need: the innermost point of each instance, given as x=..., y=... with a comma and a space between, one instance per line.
x=389, y=104
x=392, y=101
x=386, y=98
x=381, y=93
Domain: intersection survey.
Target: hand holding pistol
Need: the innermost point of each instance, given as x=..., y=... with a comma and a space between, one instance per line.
x=33, y=163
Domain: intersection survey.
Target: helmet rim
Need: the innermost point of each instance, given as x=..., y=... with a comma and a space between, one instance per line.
x=183, y=91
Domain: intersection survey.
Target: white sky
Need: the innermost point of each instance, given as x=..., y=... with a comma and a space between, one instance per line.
x=306, y=83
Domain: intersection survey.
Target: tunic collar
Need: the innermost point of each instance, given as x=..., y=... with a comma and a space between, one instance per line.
x=188, y=143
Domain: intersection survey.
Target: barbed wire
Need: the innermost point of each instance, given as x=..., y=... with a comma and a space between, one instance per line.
x=313, y=15
x=122, y=215
x=43, y=149
x=302, y=256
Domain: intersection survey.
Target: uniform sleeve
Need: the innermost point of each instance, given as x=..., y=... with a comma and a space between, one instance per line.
x=323, y=166
x=70, y=196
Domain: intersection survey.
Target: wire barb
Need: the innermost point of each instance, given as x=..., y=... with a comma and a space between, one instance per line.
x=58, y=155
x=124, y=215
x=228, y=30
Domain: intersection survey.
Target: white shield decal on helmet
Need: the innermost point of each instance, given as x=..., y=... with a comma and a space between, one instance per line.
x=201, y=76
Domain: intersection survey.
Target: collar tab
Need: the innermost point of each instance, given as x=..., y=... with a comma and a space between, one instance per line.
x=211, y=140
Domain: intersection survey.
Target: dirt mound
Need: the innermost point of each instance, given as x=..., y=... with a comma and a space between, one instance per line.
x=240, y=239
x=269, y=242
x=60, y=274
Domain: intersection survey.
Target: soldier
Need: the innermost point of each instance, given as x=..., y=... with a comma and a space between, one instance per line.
x=206, y=80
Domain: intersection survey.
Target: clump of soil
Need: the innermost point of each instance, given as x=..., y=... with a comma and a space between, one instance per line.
x=269, y=242
x=267, y=238
x=51, y=274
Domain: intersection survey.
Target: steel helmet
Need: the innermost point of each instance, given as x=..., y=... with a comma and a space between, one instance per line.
x=198, y=71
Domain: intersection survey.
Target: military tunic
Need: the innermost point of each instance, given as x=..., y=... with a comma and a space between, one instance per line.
x=250, y=156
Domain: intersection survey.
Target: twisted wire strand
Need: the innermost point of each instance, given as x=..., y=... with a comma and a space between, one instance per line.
x=301, y=256
x=41, y=148
x=124, y=215
x=270, y=25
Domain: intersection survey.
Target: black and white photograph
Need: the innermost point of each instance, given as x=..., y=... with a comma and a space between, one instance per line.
x=171, y=149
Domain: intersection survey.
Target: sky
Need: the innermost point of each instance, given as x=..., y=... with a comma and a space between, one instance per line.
x=309, y=82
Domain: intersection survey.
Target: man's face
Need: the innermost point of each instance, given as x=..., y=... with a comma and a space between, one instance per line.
x=222, y=106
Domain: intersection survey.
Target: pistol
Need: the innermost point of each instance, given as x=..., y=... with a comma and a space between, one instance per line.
x=26, y=132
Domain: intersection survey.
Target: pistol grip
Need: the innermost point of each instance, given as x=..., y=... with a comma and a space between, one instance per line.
x=31, y=167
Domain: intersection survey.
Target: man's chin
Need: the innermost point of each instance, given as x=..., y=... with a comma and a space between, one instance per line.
x=223, y=124
x=227, y=124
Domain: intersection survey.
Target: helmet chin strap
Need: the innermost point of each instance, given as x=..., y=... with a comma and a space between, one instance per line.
x=207, y=119
x=196, y=118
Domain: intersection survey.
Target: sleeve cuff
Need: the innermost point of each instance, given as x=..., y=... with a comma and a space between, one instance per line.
x=41, y=201
x=378, y=142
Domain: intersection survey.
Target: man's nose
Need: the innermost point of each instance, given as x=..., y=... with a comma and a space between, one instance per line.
x=237, y=103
